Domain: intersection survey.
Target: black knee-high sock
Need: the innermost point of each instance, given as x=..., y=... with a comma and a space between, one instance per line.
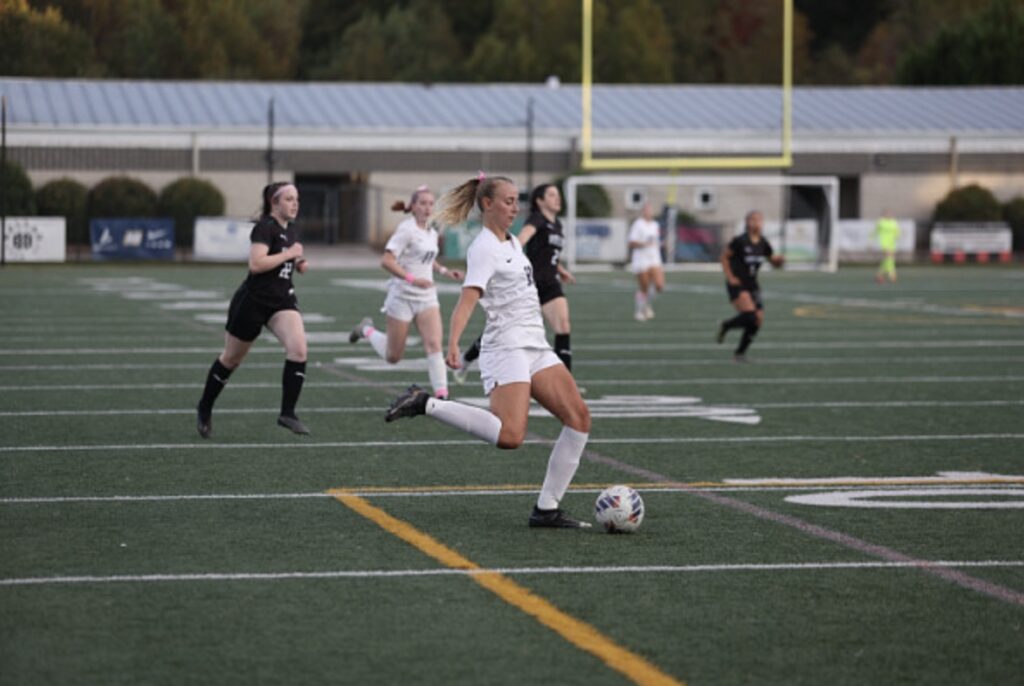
x=473, y=351
x=737, y=322
x=563, y=349
x=291, y=385
x=216, y=379
x=748, y=336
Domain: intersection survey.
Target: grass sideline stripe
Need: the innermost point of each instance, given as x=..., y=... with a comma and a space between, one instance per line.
x=716, y=381
x=640, y=440
x=449, y=571
x=363, y=409
x=732, y=485
x=577, y=632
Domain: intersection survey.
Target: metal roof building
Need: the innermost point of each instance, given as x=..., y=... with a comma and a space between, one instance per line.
x=893, y=146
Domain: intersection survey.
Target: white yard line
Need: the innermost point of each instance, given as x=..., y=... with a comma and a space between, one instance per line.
x=362, y=409
x=403, y=573
x=639, y=440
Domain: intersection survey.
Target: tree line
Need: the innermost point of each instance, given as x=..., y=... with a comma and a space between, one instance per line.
x=836, y=42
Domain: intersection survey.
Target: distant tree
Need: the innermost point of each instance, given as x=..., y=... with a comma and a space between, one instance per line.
x=1013, y=214
x=17, y=191
x=122, y=196
x=414, y=43
x=323, y=23
x=986, y=49
x=65, y=198
x=637, y=47
x=748, y=42
x=969, y=203
x=690, y=22
x=186, y=199
x=40, y=42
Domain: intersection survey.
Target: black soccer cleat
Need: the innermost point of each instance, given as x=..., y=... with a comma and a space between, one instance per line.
x=720, y=338
x=204, y=423
x=554, y=519
x=410, y=404
x=293, y=424
x=357, y=332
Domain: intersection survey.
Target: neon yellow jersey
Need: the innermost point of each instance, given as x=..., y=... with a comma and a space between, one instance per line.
x=887, y=230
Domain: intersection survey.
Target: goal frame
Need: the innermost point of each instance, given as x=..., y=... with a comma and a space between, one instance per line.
x=829, y=184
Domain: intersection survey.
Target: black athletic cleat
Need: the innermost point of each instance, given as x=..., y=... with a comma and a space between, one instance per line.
x=357, y=332
x=554, y=519
x=204, y=423
x=293, y=424
x=411, y=403
x=720, y=338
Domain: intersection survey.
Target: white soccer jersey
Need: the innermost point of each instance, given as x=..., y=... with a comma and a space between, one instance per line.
x=643, y=231
x=415, y=249
x=504, y=274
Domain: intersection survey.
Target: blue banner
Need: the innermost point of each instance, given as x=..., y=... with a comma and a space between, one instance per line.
x=132, y=239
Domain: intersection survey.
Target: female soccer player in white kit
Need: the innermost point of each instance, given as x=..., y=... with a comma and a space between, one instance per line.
x=410, y=256
x=516, y=361
x=645, y=240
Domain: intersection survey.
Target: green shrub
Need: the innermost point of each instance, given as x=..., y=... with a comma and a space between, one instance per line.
x=66, y=198
x=17, y=191
x=591, y=201
x=1013, y=214
x=186, y=199
x=122, y=196
x=967, y=204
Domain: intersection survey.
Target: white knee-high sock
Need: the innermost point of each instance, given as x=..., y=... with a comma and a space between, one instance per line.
x=378, y=340
x=641, y=300
x=475, y=421
x=565, y=458
x=438, y=374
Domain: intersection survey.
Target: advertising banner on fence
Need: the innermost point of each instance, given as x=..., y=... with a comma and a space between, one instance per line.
x=221, y=239
x=35, y=239
x=602, y=240
x=132, y=239
x=856, y=239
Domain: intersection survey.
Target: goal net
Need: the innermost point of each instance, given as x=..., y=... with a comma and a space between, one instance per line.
x=699, y=215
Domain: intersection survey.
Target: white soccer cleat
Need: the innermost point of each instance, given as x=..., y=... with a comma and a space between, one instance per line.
x=461, y=374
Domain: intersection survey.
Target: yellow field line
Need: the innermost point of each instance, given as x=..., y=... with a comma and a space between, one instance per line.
x=579, y=633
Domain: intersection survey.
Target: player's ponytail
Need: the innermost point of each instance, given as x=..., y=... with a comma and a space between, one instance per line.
x=459, y=201
x=399, y=206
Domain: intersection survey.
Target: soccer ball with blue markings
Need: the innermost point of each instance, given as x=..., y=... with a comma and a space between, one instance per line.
x=620, y=509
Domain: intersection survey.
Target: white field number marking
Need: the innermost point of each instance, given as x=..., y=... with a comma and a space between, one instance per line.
x=918, y=499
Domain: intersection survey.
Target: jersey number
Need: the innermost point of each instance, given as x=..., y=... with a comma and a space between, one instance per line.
x=529, y=275
x=428, y=257
x=286, y=270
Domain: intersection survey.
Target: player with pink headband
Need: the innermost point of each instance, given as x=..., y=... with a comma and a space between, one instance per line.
x=266, y=298
x=410, y=256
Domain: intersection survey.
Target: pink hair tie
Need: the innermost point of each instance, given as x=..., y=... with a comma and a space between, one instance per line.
x=480, y=175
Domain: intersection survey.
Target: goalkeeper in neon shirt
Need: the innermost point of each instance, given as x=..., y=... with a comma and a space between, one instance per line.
x=887, y=232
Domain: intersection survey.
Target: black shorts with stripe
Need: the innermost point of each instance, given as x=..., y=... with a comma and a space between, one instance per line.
x=247, y=316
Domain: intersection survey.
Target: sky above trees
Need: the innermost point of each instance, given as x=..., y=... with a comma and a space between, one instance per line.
x=836, y=42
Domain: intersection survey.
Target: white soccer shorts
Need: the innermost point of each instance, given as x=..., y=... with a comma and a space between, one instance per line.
x=518, y=365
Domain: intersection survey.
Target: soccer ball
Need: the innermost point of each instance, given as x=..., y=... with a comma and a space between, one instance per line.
x=619, y=509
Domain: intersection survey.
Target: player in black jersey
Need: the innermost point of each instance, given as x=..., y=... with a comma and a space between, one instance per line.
x=542, y=240
x=266, y=298
x=741, y=260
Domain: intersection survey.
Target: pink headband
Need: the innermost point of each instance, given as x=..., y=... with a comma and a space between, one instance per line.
x=281, y=190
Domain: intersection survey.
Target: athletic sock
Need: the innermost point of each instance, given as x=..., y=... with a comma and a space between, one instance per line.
x=378, y=340
x=473, y=351
x=737, y=322
x=438, y=374
x=216, y=379
x=563, y=349
x=562, y=465
x=748, y=336
x=641, y=301
x=291, y=385
x=475, y=421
